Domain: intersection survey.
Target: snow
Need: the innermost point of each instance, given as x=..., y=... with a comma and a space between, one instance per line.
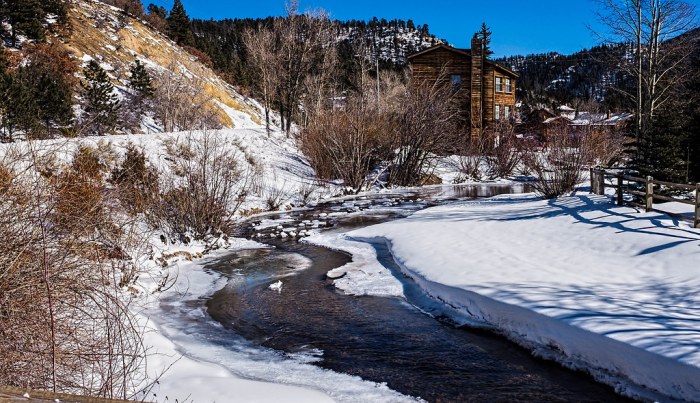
x=577, y=279
x=278, y=166
x=188, y=379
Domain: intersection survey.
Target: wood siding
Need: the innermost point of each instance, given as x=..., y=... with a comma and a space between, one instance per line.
x=478, y=95
x=441, y=64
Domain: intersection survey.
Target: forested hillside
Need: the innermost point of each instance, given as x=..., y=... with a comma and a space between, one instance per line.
x=392, y=41
x=555, y=79
x=594, y=74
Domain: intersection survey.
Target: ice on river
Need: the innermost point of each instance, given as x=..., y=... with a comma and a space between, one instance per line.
x=207, y=363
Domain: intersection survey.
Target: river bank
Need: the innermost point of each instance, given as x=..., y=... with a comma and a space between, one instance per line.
x=576, y=279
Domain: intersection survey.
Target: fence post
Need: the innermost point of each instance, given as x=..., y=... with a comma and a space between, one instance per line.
x=620, y=200
x=601, y=181
x=597, y=181
x=649, y=198
x=696, y=224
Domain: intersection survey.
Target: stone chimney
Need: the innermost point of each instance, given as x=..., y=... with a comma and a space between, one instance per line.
x=477, y=87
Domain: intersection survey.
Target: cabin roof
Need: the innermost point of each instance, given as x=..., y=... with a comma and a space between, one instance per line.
x=462, y=52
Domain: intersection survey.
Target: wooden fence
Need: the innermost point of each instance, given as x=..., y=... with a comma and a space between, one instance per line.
x=622, y=184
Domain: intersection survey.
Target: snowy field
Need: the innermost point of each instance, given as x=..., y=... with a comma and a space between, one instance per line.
x=598, y=287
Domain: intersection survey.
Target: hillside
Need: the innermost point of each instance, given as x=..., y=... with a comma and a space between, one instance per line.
x=100, y=32
x=222, y=42
x=393, y=40
x=560, y=79
x=588, y=74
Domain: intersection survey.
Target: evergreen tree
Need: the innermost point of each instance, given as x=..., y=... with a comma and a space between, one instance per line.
x=485, y=35
x=21, y=109
x=662, y=149
x=179, y=28
x=100, y=103
x=160, y=11
x=140, y=81
x=51, y=73
x=138, y=100
x=26, y=18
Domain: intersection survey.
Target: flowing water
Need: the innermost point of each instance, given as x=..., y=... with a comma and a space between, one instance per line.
x=392, y=340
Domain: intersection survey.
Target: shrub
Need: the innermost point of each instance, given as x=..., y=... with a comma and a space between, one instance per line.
x=205, y=189
x=136, y=182
x=64, y=324
x=503, y=154
x=559, y=164
x=347, y=143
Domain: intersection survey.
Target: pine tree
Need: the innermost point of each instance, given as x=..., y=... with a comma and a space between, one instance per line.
x=51, y=73
x=21, y=109
x=100, y=103
x=26, y=18
x=140, y=81
x=138, y=100
x=485, y=35
x=179, y=28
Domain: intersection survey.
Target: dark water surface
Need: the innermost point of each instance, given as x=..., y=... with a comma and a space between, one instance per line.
x=390, y=340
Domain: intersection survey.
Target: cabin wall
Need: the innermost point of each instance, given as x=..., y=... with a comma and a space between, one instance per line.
x=442, y=64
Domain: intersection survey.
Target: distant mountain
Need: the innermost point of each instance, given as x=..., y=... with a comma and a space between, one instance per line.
x=553, y=78
x=590, y=74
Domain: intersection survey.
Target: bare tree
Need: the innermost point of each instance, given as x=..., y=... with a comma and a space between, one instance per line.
x=264, y=59
x=653, y=29
x=558, y=163
x=181, y=102
x=426, y=127
x=305, y=40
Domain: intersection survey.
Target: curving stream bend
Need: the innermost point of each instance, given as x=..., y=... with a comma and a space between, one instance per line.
x=402, y=342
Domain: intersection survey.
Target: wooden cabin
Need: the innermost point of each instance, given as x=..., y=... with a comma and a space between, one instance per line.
x=485, y=90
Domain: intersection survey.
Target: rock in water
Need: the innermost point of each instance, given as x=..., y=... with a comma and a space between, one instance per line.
x=276, y=286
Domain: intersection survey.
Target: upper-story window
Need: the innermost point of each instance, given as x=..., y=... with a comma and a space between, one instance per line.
x=456, y=81
x=506, y=111
x=499, y=84
x=497, y=112
x=509, y=86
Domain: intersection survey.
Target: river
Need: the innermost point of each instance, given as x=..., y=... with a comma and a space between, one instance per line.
x=403, y=342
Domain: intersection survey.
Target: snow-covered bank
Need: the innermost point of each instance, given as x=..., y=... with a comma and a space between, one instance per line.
x=576, y=279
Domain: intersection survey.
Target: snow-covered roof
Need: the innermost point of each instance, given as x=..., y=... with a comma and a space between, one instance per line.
x=597, y=119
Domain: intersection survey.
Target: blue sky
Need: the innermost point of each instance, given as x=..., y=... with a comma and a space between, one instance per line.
x=519, y=26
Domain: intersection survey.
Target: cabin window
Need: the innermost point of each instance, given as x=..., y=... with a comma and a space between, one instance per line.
x=509, y=86
x=499, y=84
x=456, y=81
x=506, y=111
x=497, y=112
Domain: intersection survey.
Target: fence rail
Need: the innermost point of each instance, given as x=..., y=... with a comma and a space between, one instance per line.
x=598, y=177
